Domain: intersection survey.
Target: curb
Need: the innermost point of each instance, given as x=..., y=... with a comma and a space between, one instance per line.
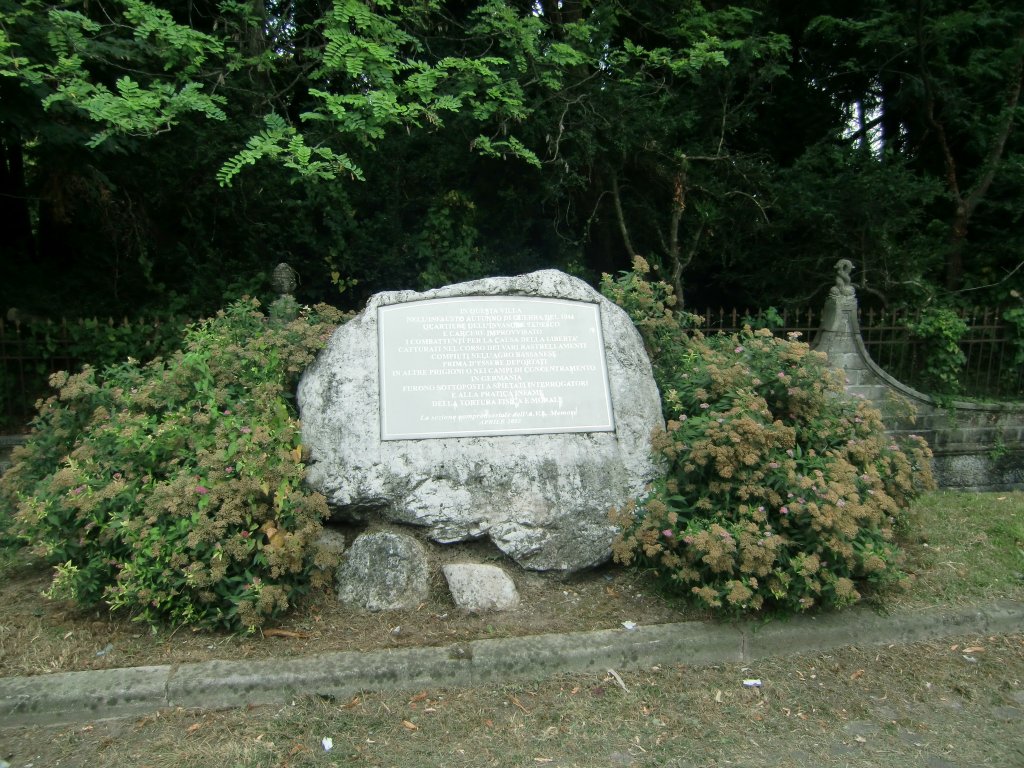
x=70, y=697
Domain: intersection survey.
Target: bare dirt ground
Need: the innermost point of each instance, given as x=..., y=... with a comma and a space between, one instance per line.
x=39, y=636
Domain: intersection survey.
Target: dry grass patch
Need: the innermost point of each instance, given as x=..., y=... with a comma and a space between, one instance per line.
x=39, y=636
x=956, y=702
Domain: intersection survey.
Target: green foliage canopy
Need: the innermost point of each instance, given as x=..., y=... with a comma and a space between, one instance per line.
x=169, y=153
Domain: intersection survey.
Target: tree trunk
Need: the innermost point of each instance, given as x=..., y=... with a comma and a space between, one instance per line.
x=957, y=246
x=15, y=219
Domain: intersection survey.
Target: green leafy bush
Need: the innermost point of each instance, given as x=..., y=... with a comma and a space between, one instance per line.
x=1014, y=373
x=780, y=492
x=174, y=489
x=939, y=330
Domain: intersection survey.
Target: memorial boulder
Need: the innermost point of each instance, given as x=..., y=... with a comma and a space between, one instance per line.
x=519, y=409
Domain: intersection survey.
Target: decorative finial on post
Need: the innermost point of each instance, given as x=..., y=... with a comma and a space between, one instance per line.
x=837, y=336
x=284, y=279
x=844, y=286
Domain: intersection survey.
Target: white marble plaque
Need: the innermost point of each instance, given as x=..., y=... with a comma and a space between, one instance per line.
x=491, y=365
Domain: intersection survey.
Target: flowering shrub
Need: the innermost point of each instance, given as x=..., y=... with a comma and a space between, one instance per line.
x=780, y=491
x=39, y=342
x=174, y=489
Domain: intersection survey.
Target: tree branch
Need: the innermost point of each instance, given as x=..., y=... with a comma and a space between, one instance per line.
x=940, y=129
x=999, y=146
x=620, y=216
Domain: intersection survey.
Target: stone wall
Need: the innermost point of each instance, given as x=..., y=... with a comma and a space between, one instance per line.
x=977, y=446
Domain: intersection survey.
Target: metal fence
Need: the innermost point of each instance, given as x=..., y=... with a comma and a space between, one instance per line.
x=991, y=347
x=30, y=352
x=782, y=322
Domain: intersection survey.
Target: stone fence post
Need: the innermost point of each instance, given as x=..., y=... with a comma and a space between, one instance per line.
x=977, y=446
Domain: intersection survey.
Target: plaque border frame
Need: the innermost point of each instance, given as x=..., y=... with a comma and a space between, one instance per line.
x=602, y=376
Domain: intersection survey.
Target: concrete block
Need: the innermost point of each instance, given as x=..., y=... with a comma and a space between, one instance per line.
x=540, y=655
x=218, y=684
x=873, y=392
x=75, y=696
x=850, y=361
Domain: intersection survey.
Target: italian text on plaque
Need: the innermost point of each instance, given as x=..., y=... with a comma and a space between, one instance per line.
x=491, y=365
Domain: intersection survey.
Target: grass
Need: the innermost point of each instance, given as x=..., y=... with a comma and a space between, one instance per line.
x=958, y=702
x=965, y=547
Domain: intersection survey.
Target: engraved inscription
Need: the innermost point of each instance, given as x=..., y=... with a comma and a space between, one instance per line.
x=491, y=365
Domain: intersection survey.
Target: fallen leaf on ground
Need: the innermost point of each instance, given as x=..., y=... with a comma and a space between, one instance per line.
x=857, y=675
x=193, y=728
x=974, y=649
x=410, y=726
x=421, y=696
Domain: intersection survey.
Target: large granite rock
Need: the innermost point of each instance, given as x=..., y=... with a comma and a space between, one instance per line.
x=543, y=499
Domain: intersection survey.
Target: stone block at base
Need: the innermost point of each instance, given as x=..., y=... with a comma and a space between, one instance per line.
x=476, y=588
